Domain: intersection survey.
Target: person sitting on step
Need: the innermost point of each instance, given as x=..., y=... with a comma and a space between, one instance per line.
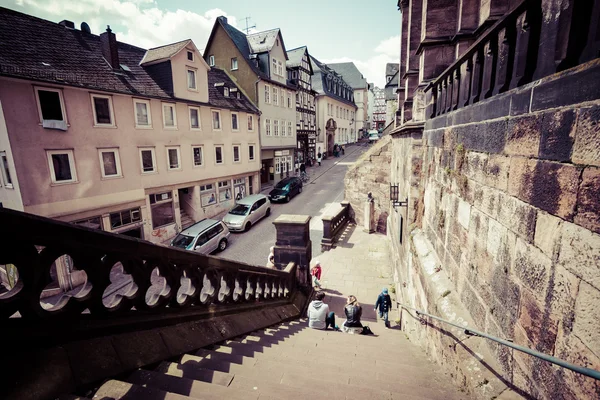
x=353, y=312
x=319, y=316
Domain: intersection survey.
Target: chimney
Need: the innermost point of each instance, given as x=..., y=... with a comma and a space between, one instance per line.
x=67, y=24
x=108, y=41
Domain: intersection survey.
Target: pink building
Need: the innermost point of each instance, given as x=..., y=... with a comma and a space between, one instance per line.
x=112, y=136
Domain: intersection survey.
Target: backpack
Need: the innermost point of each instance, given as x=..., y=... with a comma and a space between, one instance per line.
x=366, y=331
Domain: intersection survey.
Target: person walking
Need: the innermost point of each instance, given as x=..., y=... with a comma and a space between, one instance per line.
x=319, y=316
x=319, y=158
x=316, y=274
x=383, y=305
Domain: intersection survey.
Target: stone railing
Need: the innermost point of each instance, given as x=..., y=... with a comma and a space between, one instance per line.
x=121, y=275
x=521, y=47
x=333, y=225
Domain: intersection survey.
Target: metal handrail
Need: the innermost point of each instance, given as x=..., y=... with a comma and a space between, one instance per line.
x=592, y=373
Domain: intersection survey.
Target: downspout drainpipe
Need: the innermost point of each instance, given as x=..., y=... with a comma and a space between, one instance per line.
x=259, y=186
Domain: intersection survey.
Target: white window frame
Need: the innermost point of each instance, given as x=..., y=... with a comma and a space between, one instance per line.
x=63, y=109
x=277, y=165
x=165, y=126
x=110, y=108
x=222, y=154
x=147, y=103
x=115, y=151
x=194, y=71
x=154, y=166
x=268, y=128
x=289, y=100
x=251, y=122
x=199, y=128
x=69, y=152
x=211, y=60
x=6, y=171
x=234, y=64
x=188, y=54
x=201, y=156
x=290, y=130
x=267, y=94
x=274, y=66
x=167, y=148
x=225, y=91
x=212, y=120
x=239, y=149
x=253, y=147
x=275, y=127
x=279, y=68
x=290, y=162
x=275, y=95
x=237, y=119
x=283, y=161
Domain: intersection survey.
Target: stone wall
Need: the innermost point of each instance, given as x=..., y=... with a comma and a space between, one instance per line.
x=507, y=200
x=371, y=173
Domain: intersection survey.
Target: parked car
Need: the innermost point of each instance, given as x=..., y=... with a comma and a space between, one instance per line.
x=247, y=212
x=285, y=189
x=204, y=237
x=373, y=136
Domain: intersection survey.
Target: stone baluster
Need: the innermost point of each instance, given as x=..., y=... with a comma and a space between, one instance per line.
x=455, y=88
x=465, y=83
x=506, y=53
x=438, y=99
x=490, y=52
x=524, y=40
x=592, y=44
x=431, y=98
x=476, y=76
x=444, y=96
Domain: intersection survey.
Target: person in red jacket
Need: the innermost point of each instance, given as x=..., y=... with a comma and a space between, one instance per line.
x=316, y=274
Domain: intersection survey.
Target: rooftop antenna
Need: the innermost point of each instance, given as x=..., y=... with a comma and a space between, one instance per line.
x=248, y=27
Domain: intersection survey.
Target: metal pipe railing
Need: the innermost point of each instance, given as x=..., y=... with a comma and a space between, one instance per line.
x=592, y=373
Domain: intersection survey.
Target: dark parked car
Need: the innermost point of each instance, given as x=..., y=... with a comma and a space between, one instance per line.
x=286, y=189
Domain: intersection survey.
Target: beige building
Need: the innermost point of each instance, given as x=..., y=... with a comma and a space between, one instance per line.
x=353, y=77
x=115, y=137
x=336, y=111
x=257, y=63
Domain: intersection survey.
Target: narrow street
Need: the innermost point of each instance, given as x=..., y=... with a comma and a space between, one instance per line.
x=321, y=195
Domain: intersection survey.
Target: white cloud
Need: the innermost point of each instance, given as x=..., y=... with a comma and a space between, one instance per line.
x=137, y=22
x=373, y=68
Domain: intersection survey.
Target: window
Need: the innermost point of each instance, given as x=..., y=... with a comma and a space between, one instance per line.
x=211, y=61
x=191, y=79
x=275, y=96
x=267, y=94
x=216, y=119
x=277, y=166
x=236, y=153
x=62, y=166
x=274, y=67
x=282, y=98
x=173, y=158
x=225, y=91
x=5, y=170
x=218, y=154
x=234, y=121
x=234, y=65
x=276, y=127
x=289, y=163
x=251, y=152
x=279, y=68
x=148, y=160
x=207, y=195
x=169, y=116
x=125, y=217
x=239, y=188
x=290, y=132
x=92, y=222
x=143, y=118
x=283, y=162
x=268, y=127
x=103, y=111
x=224, y=191
x=161, y=205
x=190, y=55
x=51, y=106
x=197, y=155
x=250, y=187
x=250, y=122
x=110, y=165
x=195, y=118
x=289, y=99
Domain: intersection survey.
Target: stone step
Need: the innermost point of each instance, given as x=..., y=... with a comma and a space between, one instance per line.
x=116, y=390
x=202, y=375
x=187, y=387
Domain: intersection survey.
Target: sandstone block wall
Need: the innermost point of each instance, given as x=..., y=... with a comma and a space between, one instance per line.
x=510, y=193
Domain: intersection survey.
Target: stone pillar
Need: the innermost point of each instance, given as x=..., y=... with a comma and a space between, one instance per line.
x=293, y=245
x=369, y=214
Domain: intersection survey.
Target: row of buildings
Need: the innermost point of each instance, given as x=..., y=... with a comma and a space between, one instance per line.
x=134, y=141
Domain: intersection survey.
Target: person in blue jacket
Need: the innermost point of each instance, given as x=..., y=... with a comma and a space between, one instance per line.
x=383, y=305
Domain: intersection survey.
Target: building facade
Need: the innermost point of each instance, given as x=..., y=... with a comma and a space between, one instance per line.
x=379, y=108
x=119, y=138
x=353, y=77
x=257, y=63
x=336, y=111
x=300, y=74
x=391, y=95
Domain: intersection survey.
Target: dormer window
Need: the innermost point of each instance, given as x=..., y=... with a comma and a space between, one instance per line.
x=225, y=91
x=211, y=61
x=190, y=55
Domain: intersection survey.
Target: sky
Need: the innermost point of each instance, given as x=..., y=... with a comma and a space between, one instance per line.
x=365, y=32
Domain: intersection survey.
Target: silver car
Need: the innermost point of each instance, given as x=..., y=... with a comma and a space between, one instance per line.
x=204, y=236
x=247, y=212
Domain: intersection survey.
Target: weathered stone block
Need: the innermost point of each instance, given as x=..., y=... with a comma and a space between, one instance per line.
x=588, y=200
x=132, y=348
x=434, y=138
x=562, y=293
x=579, y=252
x=558, y=135
x=93, y=360
x=496, y=171
x=587, y=317
x=518, y=216
x=519, y=103
x=547, y=230
x=506, y=301
x=495, y=136
x=532, y=267
x=523, y=136
x=487, y=200
x=476, y=307
x=587, y=140
x=464, y=214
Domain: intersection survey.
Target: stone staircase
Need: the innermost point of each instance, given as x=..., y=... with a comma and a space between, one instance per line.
x=292, y=361
x=186, y=220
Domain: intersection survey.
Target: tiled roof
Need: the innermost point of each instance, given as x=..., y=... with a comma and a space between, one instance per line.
x=391, y=68
x=393, y=81
x=295, y=57
x=40, y=50
x=262, y=41
x=217, y=99
x=319, y=81
x=351, y=74
x=164, y=52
